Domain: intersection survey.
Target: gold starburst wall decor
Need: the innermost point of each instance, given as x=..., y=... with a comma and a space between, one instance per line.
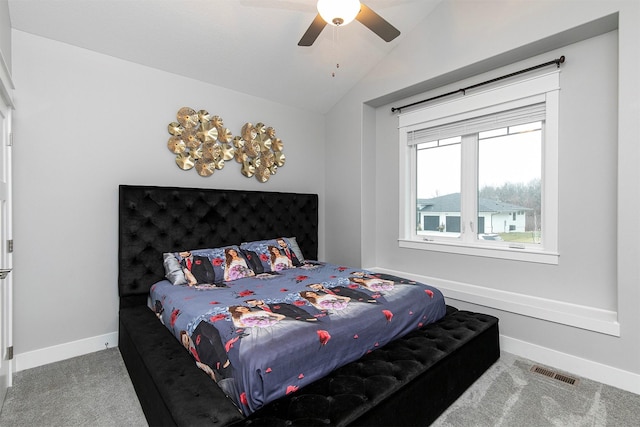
x=200, y=140
x=259, y=151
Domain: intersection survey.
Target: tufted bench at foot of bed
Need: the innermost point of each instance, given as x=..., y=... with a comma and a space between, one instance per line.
x=172, y=390
x=410, y=381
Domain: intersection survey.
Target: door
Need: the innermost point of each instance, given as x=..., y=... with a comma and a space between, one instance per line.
x=452, y=224
x=431, y=223
x=6, y=283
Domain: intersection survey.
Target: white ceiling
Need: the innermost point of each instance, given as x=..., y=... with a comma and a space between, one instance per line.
x=246, y=45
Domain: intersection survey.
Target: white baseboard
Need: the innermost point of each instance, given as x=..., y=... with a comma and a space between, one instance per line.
x=572, y=364
x=44, y=356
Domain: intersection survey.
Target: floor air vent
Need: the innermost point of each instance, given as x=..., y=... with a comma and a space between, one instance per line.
x=556, y=376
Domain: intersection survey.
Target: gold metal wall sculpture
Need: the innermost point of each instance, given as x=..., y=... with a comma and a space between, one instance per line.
x=200, y=140
x=259, y=151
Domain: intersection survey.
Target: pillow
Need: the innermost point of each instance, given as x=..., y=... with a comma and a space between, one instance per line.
x=296, y=249
x=207, y=266
x=275, y=254
x=173, y=270
x=254, y=261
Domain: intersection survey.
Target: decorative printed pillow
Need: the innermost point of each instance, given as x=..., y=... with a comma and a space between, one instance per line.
x=254, y=261
x=209, y=266
x=296, y=249
x=173, y=270
x=275, y=254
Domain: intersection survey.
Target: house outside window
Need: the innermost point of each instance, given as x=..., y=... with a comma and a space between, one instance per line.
x=493, y=217
x=479, y=173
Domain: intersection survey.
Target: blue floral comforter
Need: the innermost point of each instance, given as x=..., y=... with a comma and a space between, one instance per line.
x=266, y=336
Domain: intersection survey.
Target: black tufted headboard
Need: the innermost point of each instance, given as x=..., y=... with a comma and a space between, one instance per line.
x=154, y=220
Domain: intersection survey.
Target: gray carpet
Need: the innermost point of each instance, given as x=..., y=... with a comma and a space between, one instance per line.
x=94, y=390
x=91, y=390
x=509, y=394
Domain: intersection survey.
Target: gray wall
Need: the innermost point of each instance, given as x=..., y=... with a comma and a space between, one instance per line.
x=598, y=270
x=84, y=124
x=5, y=34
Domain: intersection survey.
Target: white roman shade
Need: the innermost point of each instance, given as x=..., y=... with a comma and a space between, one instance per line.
x=512, y=117
x=519, y=102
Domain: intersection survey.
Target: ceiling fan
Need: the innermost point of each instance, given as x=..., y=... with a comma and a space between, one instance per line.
x=341, y=12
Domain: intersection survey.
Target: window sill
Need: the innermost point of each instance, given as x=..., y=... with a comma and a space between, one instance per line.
x=487, y=251
x=564, y=313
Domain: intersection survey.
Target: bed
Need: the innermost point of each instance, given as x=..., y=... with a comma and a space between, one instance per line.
x=408, y=381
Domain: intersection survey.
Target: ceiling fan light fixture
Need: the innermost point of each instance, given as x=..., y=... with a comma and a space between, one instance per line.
x=338, y=12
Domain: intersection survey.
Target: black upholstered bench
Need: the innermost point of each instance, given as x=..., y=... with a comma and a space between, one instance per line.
x=172, y=390
x=418, y=371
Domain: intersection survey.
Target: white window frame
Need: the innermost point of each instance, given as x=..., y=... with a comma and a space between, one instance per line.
x=542, y=88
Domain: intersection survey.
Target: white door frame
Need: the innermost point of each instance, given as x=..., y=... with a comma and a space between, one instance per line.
x=6, y=232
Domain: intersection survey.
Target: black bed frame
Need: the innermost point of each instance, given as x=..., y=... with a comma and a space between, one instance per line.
x=410, y=381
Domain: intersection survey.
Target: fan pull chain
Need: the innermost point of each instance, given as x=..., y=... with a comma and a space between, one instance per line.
x=336, y=49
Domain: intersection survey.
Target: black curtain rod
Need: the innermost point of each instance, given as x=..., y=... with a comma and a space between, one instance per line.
x=463, y=90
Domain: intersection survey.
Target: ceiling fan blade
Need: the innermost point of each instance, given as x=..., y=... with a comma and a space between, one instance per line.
x=377, y=23
x=313, y=31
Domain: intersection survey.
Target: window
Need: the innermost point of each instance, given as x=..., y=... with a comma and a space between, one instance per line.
x=479, y=173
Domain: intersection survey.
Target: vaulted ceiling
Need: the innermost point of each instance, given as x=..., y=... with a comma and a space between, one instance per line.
x=245, y=45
